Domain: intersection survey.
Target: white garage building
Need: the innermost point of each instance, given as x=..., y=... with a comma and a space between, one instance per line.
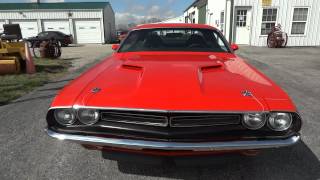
x=249, y=21
x=88, y=22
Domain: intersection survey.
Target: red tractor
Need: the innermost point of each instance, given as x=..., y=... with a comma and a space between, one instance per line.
x=277, y=38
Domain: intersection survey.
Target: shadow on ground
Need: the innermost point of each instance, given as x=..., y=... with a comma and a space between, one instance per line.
x=75, y=45
x=70, y=59
x=297, y=162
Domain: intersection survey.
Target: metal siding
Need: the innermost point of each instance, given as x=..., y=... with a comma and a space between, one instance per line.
x=109, y=30
x=57, y=5
x=316, y=30
x=255, y=23
x=57, y=25
x=314, y=26
x=1, y=26
x=213, y=14
x=202, y=15
x=285, y=12
x=53, y=15
x=191, y=10
x=88, y=31
x=81, y=14
x=29, y=28
x=244, y=2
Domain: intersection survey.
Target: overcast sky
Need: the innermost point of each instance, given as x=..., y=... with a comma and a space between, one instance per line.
x=136, y=10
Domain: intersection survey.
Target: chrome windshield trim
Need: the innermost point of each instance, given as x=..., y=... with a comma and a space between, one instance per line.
x=157, y=145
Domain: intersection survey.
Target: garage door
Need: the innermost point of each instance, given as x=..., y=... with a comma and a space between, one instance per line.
x=28, y=28
x=1, y=26
x=62, y=26
x=88, y=31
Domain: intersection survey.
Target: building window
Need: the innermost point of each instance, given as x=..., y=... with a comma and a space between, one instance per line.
x=269, y=18
x=222, y=21
x=193, y=17
x=299, y=20
x=241, y=18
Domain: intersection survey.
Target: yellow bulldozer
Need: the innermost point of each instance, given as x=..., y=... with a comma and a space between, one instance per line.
x=14, y=57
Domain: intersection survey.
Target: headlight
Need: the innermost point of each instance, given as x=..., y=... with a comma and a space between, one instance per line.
x=88, y=116
x=64, y=116
x=254, y=121
x=280, y=121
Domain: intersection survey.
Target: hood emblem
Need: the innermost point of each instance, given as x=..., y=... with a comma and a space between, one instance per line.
x=246, y=93
x=212, y=57
x=95, y=90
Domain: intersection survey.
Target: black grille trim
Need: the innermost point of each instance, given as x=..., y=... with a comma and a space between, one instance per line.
x=136, y=118
x=172, y=119
x=205, y=120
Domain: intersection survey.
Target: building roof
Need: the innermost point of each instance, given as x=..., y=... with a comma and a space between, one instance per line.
x=172, y=25
x=197, y=3
x=65, y=5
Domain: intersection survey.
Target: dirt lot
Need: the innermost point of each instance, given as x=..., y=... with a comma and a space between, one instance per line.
x=16, y=85
x=26, y=152
x=82, y=55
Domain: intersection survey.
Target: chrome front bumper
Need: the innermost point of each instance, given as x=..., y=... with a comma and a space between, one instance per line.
x=176, y=146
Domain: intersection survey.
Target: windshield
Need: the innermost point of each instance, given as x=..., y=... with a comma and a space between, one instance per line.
x=199, y=40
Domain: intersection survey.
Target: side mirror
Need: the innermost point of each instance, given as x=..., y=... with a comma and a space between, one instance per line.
x=115, y=47
x=234, y=47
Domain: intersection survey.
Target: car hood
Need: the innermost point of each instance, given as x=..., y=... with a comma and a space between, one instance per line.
x=179, y=81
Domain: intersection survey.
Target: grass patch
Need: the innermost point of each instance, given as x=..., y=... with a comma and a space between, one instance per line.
x=15, y=86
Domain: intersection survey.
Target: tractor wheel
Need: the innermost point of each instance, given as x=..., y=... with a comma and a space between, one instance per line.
x=271, y=41
x=36, y=50
x=285, y=37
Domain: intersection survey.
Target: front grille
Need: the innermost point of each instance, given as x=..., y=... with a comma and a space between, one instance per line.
x=172, y=119
x=135, y=118
x=204, y=120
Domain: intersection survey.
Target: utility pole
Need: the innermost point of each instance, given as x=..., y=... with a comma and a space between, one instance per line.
x=231, y=21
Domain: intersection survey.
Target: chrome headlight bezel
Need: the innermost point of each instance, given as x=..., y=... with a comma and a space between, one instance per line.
x=271, y=121
x=60, y=120
x=250, y=116
x=88, y=116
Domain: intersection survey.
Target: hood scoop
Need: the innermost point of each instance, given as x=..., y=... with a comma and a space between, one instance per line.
x=211, y=67
x=131, y=67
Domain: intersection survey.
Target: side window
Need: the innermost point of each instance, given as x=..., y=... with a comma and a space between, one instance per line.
x=299, y=20
x=220, y=42
x=269, y=19
x=130, y=42
x=193, y=17
x=43, y=34
x=186, y=19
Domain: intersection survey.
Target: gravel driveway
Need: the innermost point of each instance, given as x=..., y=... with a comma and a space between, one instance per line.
x=26, y=152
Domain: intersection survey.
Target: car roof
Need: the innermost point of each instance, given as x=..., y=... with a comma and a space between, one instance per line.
x=173, y=25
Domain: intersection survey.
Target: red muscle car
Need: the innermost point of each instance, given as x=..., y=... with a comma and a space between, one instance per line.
x=174, y=89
